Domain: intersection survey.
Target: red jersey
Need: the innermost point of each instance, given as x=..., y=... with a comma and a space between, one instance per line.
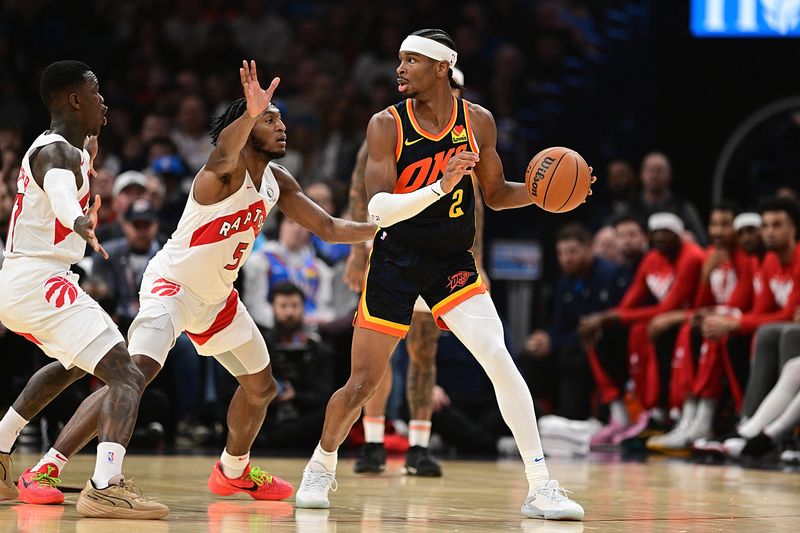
x=776, y=292
x=724, y=281
x=672, y=284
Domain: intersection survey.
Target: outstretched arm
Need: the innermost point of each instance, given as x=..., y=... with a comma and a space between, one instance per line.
x=300, y=208
x=225, y=157
x=356, y=264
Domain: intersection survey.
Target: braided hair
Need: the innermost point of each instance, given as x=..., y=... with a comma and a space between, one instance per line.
x=235, y=110
x=441, y=37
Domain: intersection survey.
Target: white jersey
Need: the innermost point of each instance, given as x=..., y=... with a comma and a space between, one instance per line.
x=34, y=230
x=212, y=242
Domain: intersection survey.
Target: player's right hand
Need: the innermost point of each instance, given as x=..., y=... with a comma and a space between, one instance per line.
x=84, y=226
x=257, y=98
x=459, y=165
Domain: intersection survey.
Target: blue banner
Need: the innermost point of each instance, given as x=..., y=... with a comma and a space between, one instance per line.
x=745, y=18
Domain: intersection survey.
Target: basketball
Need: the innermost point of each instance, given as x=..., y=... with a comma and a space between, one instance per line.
x=558, y=179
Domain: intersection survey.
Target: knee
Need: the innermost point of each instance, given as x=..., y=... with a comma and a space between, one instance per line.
x=360, y=388
x=263, y=392
x=148, y=366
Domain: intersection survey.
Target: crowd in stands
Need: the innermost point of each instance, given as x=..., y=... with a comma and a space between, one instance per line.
x=677, y=331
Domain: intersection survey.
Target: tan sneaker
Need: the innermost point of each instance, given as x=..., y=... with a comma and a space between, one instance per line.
x=8, y=486
x=118, y=501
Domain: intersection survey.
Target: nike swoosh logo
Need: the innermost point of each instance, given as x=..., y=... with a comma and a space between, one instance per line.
x=415, y=141
x=538, y=459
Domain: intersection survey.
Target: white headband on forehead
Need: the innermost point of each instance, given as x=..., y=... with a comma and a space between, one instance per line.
x=667, y=221
x=745, y=220
x=429, y=48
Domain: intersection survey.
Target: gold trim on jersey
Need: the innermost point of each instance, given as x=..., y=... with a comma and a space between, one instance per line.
x=472, y=143
x=439, y=136
x=398, y=149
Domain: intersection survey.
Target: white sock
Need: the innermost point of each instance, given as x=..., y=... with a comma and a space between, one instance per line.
x=688, y=414
x=619, y=413
x=776, y=401
x=10, y=426
x=476, y=324
x=704, y=417
x=54, y=457
x=108, y=463
x=322, y=460
x=535, y=469
x=419, y=433
x=233, y=465
x=373, y=428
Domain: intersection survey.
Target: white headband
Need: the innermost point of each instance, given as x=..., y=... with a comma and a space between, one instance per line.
x=458, y=77
x=429, y=48
x=667, y=221
x=747, y=220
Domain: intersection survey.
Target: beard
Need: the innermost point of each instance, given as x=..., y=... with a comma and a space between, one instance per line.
x=260, y=147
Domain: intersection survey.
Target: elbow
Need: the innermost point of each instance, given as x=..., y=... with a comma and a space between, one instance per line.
x=376, y=212
x=492, y=201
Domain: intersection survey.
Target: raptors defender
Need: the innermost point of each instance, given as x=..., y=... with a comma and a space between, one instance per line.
x=41, y=300
x=188, y=286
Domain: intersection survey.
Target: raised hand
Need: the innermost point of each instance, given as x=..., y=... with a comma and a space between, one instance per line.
x=594, y=178
x=85, y=225
x=91, y=146
x=257, y=98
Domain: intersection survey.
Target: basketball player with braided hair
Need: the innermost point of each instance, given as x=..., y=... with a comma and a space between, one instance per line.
x=420, y=153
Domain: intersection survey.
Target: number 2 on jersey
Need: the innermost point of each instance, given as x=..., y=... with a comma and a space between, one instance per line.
x=237, y=256
x=458, y=197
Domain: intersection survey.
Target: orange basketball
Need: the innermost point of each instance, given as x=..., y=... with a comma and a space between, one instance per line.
x=558, y=179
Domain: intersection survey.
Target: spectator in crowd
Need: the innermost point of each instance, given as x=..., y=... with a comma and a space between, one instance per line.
x=172, y=173
x=343, y=300
x=657, y=196
x=622, y=185
x=666, y=279
x=606, y=245
x=127, y=259
x=128, y=187
x=555, y=359
x=103, y=184
x=289, y=259
x=191, y=134
x=301, y=364
x=632, y=243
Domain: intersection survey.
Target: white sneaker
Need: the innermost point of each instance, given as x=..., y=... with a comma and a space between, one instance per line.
x=791, y=457
x=733, y=447
x=551, y=502
x=313, y=491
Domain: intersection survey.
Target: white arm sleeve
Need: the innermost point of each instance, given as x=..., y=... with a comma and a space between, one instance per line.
x=61, y=189
x=386, y=209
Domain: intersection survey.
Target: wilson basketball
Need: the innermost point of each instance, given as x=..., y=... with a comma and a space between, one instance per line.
x=558, y=179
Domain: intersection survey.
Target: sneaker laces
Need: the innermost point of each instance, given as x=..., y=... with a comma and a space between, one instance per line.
x=554, y=491
x=258, y=476
x=44, y=478
x=127, y=485
x=318, y=480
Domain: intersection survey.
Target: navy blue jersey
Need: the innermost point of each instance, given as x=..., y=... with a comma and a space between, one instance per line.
x=448, y=225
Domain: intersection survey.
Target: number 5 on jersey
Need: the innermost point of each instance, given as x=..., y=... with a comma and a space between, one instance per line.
x=237, y=256
x=458, y=197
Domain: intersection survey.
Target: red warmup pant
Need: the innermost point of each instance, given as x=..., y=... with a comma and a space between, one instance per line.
x=642, y=367
x=702, y=376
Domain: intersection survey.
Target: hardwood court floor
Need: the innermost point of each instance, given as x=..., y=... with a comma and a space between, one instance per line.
x=657, y=496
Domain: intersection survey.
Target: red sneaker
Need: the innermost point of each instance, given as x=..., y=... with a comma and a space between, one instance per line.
x=39, y=487
x=255, y=482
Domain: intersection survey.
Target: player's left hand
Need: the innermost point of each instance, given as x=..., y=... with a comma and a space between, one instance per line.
x=85, y=225
x=257, y=98
x=91, y=145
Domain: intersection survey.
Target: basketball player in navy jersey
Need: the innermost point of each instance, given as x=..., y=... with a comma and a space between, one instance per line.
x=420, y=152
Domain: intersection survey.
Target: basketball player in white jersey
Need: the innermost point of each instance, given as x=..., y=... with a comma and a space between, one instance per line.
x=41, y=300
x=188, y=285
